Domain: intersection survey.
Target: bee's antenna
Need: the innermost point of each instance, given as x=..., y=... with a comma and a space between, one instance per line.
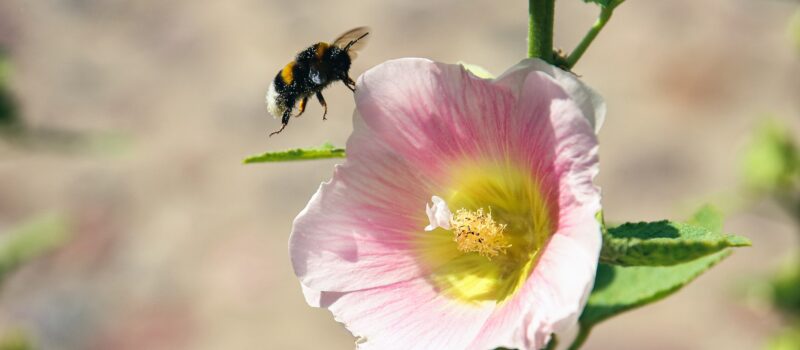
x=347, y=47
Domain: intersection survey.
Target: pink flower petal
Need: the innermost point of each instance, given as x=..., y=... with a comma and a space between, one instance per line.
x=433, y=114
x=349, y=237
x=409, y=315
x=563, y=277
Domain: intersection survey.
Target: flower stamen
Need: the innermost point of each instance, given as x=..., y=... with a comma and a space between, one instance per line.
x=476, y=231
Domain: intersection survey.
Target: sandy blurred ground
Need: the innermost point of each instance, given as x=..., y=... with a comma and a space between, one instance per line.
x=179, y=246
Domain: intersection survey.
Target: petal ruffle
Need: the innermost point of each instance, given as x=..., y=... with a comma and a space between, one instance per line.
x=591, y=103
x=353, y=234
x=408, y=315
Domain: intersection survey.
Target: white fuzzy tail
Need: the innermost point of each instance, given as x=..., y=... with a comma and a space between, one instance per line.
x=273, y=107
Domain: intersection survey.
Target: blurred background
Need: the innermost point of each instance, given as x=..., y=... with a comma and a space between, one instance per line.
x=126, y=123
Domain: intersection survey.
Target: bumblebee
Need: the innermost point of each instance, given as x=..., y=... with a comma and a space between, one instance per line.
x=312, y=70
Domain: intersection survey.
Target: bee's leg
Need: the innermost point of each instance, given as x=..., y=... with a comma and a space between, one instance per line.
x=302, y=106
x=284, y=120
x=324, y=105
x=349, y=83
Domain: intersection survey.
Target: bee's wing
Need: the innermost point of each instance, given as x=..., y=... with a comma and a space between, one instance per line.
x=357, y=36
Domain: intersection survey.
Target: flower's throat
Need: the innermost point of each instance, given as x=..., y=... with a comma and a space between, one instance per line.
x=487, y=254
x=476, y=231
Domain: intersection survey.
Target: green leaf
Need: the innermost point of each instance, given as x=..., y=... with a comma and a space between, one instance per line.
x=772, y=161
x=663, y=243
x=708, y=217
x=324, y=152
x=618, y=289
x=30, y=240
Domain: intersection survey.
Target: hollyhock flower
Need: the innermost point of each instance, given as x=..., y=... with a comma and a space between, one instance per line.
x=464, y=215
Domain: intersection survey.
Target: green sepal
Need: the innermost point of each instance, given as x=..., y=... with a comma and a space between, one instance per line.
x=325, y=152
x=477, y=70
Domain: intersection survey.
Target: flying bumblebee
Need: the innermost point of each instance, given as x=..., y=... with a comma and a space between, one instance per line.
x=312, y=70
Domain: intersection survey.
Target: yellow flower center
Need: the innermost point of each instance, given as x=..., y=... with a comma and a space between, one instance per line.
x=476, y=231
x=489, y=253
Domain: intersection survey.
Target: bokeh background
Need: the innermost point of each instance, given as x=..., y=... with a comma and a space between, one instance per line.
x=137, y=115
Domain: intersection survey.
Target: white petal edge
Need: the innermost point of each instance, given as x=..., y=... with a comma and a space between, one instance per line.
x=590, y=102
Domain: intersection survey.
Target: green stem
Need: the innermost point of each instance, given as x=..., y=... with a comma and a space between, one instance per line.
x=552, y=344
x=583, y=334
x=540, y=29
x=605, y=15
